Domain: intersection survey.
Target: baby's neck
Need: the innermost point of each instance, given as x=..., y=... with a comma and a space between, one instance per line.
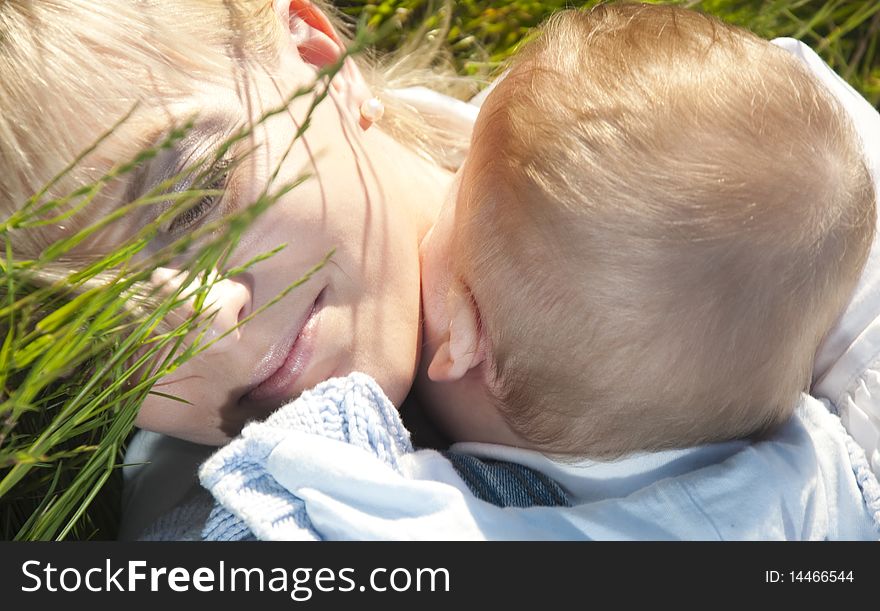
x=464, y=410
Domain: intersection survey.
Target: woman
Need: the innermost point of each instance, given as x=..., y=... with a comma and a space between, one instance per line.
x=71, y=69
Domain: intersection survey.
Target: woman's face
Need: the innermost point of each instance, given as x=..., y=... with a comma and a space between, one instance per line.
x=360, y=312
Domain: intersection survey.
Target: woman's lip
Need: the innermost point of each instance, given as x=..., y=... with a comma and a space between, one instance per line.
x=279, y=385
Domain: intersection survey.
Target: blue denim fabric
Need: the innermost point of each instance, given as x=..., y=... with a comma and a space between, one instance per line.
x=506, y=484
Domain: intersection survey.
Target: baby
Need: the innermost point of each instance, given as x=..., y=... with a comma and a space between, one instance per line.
x=659, y=220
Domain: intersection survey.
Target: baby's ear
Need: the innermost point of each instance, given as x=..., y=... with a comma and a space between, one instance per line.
x=462, y=348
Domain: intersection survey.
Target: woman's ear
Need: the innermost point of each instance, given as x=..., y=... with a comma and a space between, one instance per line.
x=463, y=348
x=319, y=45
x=312, y=33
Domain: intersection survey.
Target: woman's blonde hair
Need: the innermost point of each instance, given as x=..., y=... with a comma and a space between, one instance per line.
x=661, y=217
x=72, y=69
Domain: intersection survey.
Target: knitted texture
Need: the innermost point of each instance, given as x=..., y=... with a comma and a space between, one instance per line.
x=250, y=502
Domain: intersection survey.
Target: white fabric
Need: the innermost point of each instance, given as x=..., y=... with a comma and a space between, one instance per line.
x=449, y=113
x=847, y=367
x=446, y=114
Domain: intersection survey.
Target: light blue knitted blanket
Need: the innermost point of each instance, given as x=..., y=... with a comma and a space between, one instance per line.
x=352, y=409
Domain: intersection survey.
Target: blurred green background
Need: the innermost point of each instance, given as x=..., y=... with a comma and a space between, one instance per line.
x=844, y=32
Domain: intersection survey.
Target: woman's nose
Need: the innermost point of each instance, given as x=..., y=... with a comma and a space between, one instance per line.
x=226, y=304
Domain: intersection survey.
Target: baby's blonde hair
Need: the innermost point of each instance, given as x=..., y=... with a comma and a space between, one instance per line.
x=660, y=218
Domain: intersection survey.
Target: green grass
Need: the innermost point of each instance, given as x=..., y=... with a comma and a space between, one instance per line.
x=70, y=381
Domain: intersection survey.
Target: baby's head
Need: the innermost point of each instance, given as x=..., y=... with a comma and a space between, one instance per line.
x=660, y=218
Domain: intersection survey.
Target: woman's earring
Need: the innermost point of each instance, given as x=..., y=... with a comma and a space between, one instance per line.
x=372, y=110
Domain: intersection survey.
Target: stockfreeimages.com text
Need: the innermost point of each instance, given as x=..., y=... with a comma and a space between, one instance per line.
x=301, y=583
